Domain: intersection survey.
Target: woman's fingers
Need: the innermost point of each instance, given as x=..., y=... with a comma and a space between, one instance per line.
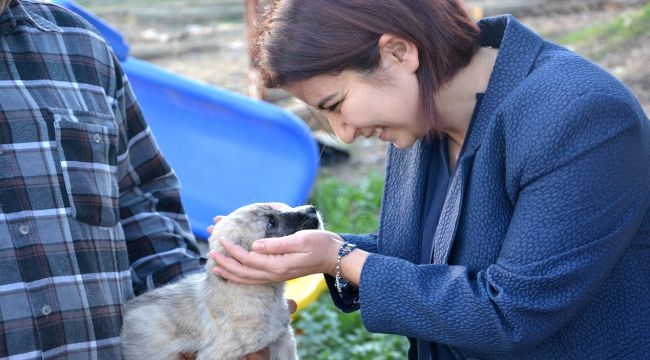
x=272, y=246
x=216, y=219
x=250, y=267
x=235, y=250
x=278, y=259
x=231, y=269
x=296, y=243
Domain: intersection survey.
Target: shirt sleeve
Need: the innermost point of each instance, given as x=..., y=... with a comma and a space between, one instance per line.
x=159, y=240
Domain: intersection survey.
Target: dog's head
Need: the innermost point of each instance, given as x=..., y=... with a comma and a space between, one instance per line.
x=251, y=222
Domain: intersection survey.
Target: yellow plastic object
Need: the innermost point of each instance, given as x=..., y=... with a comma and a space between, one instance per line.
x=305, y=290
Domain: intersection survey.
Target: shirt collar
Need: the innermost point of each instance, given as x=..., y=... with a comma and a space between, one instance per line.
x=15, y=13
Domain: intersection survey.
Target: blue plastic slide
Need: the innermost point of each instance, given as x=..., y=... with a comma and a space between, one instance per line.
x=227, y=149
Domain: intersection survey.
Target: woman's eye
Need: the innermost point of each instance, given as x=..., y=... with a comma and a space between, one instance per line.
x=271, y=224
x=334, y=107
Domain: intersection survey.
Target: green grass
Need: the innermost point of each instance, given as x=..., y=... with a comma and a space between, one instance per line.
x=324, y=332
x=621, y=29
x=349, y=208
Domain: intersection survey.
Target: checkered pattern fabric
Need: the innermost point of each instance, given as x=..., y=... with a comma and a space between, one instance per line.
x=89, y=210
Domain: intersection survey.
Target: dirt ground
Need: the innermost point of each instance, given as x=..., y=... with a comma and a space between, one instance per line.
x=212, y=49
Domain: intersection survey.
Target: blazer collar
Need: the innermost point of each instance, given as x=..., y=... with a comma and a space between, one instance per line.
x=518, y=48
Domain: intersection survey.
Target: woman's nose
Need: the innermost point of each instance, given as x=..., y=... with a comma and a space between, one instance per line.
x=343, y=131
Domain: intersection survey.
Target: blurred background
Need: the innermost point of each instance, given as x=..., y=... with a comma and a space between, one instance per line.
x=205, y=40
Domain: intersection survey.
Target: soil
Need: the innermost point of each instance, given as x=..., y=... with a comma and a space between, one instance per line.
x=213, y=49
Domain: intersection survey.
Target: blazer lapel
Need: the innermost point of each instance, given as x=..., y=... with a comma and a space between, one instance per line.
x=451, y=210
x=405, y=184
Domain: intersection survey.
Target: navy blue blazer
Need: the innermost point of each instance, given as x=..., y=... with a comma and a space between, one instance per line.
x=543, y=248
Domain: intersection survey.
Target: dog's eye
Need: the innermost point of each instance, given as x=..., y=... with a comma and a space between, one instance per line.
x=272, y=223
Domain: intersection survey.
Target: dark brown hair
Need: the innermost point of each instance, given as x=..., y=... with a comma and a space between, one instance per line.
x=299, y=39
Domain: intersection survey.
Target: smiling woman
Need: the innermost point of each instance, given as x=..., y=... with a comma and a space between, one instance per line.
x=498, y=237
x=332, y=48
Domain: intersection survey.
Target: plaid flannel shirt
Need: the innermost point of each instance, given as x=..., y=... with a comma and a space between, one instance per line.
x=89, y=210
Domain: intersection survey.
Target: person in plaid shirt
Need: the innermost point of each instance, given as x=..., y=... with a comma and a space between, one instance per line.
x=90, y=213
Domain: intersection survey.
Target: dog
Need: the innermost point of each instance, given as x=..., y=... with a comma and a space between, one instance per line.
x=212, y=317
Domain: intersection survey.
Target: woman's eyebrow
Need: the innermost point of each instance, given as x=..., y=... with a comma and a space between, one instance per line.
x=324, y=101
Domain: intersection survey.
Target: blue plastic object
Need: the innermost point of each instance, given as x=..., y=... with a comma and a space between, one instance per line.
x=227, y=149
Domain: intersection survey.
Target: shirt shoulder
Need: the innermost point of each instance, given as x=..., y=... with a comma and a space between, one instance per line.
x=48, y=16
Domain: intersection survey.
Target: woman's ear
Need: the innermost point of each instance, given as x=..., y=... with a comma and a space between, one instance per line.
x=396, y=50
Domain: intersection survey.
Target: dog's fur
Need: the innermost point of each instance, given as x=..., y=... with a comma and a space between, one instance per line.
x=216, y=318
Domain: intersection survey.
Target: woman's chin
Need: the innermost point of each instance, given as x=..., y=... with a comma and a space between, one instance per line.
x=402, y=142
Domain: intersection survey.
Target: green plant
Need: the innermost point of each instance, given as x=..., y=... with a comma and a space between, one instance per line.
x=621, y=29
x=347, y=207
x=323, y=331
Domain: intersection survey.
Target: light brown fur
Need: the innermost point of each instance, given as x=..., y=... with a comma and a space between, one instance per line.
x=207, y=314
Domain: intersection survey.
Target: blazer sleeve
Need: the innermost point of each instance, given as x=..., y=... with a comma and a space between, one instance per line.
x=580, y=184
x=348, y=300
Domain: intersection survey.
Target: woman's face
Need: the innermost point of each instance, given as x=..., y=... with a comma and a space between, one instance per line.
x=384, y=105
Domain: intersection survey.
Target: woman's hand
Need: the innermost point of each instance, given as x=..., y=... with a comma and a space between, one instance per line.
x=279, y=259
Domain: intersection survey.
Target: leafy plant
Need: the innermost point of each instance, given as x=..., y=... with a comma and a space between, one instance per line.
x=323, y=331
x=349, y=208
x=621, y=29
